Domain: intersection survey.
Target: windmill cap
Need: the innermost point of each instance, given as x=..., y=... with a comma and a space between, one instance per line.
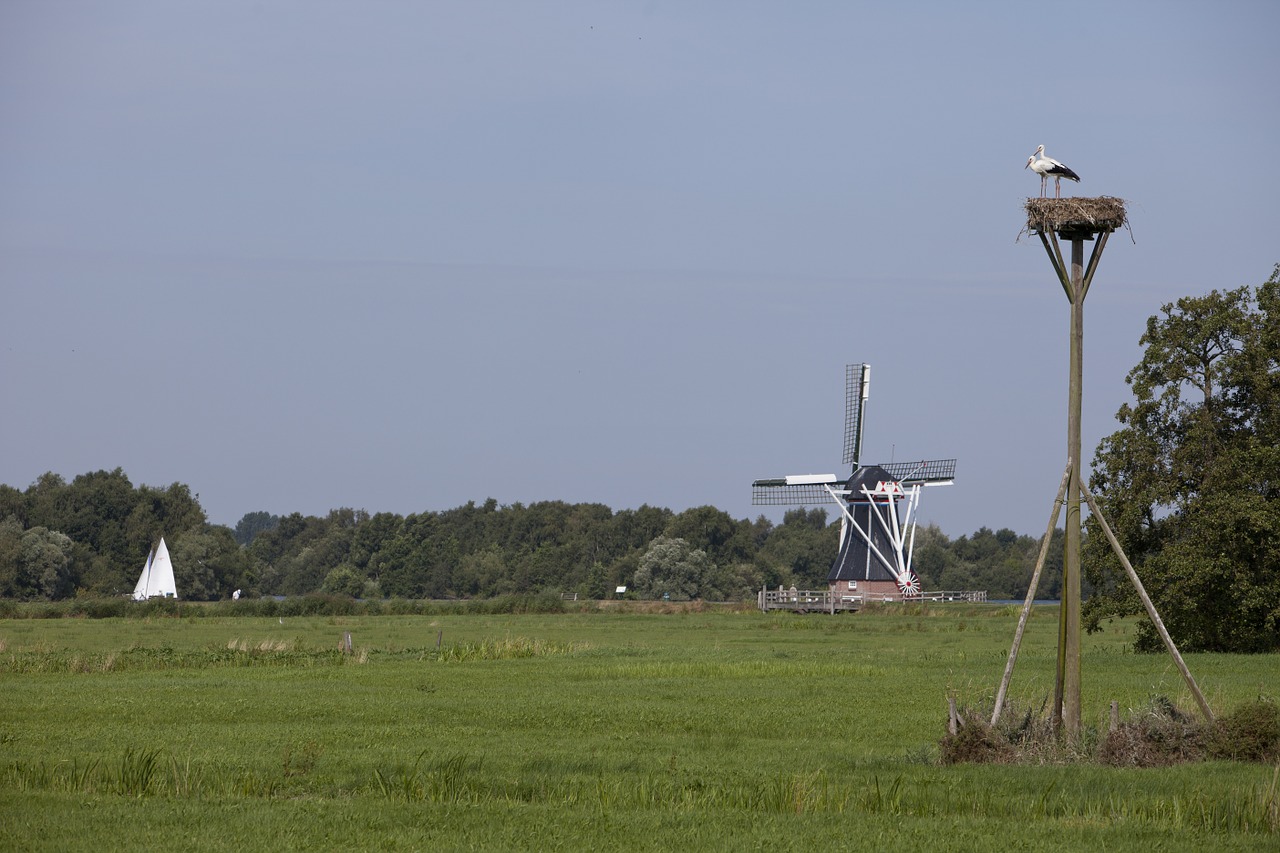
x=873, y=478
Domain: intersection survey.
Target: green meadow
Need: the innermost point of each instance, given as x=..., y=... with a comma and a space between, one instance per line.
x=715, y=729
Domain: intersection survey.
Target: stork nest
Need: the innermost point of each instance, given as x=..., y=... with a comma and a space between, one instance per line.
x=1103, y=213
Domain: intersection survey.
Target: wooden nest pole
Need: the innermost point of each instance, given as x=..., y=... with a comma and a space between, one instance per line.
x=1077, y=220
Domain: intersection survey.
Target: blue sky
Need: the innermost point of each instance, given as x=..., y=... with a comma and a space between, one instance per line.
x=398, y=256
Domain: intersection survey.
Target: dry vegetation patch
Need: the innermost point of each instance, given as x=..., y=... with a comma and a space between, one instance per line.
x=1158, y=735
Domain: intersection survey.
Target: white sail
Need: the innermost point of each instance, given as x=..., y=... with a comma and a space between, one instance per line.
x=140, y=588
x=161, y=582
x=157, y=578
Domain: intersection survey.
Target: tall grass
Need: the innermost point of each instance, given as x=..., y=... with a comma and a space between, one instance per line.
x=268, y=652
x=237, y=653
x=505, y=649
x=460, y=778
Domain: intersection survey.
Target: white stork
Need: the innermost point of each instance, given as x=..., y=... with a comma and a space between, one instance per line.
x=1046, y=166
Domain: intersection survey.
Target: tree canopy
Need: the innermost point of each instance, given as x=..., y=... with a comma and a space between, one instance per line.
x=470, y=551
x=1190, y=483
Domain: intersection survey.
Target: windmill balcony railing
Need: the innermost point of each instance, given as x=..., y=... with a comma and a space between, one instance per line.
x=806, y=600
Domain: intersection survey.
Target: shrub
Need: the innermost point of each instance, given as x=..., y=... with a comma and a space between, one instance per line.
x=1249, y=733
x=319, y=605
x=541, y=602
x=104, y=608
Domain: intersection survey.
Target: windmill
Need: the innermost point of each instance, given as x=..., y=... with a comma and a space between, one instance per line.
x=878, y=503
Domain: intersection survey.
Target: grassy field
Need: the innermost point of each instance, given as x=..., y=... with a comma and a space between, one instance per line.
x=708, y=729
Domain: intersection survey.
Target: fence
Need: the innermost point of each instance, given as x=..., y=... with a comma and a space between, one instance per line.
x=805, y=600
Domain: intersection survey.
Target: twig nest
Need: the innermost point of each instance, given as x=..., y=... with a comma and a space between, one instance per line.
x=1103, y=213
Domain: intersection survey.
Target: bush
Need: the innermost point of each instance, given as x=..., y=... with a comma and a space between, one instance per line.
x=1249, y=733
x=319, y=605
x=104, y=608
x=401, y=607
x=540, y=602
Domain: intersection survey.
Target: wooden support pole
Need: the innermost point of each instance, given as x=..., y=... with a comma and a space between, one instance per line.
x=1151, y=608
x=1071, y=542
x=1094, y=257
x=1055, y=258
x=1060, y=663
x=1031, y=594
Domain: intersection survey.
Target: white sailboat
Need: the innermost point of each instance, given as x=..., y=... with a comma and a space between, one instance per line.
x=140, y=588
x=156, y=580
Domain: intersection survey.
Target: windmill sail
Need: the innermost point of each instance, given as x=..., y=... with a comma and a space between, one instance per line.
x=857, y=386
x=795, y=490
x=928, y=472
x=156, y=580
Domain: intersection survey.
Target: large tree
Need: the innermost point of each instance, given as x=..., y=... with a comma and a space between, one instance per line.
x=1191, y=481
x=673, y=568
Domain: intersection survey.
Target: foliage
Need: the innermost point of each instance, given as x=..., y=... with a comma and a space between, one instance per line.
x=800, y=551
x=34, y=563
x=672, y=569
x=344, y=581
x=208, y=564
x=1000, y=561
x=253, y=523
x=1191, y=482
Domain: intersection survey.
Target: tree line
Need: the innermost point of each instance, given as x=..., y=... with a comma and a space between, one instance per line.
x=90, y=536
x=1190, y=483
